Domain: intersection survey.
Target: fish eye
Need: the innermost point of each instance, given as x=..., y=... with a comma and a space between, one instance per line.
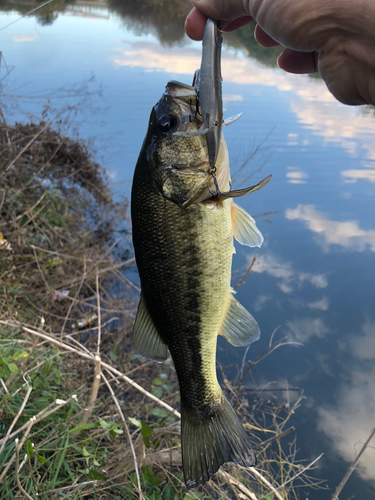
x=167, y=123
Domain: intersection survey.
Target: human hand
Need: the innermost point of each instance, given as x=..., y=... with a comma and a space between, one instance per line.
x=334, y=37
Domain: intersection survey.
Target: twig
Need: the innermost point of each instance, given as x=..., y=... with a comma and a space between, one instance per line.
x=242, y=280
x=352, y=467
x=272, y=439
x=298, y=474
x=61, y=254
x=262, y=355
x=16, y=472
x=41, y=272
x=275, y=389
x=77, y=485
x=73, y=301
x=228, y=479
x=29, y=389
x=27, y=13
x=2, y=201
x=28, y=426
x=46, y=162
x=97, y=369
x=76, y=280
x=44, y=361
x=46, y=412
x=143, y=365
x=128, y=435
x=266, y=482
x=26, y=147
x=6, y=388
x=29, y=209
x=94, y=391
x=99, y=316
x=91, y=358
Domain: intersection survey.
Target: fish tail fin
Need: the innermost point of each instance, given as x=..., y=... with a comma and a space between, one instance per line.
x=212, y=440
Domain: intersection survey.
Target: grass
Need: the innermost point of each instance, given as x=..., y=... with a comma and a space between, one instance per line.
x=81, y=415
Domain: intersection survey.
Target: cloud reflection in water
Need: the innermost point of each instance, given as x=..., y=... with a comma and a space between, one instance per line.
x=288, y=278
x=347, y=234
x=350, y=422
x=304, y=329
x=351, y=176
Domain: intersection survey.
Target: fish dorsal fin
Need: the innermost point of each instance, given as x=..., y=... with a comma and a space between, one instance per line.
x=146, y=338
x=239, y=327
x=244, y=227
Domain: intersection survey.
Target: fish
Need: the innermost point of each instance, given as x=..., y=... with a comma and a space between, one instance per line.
x=183, y=244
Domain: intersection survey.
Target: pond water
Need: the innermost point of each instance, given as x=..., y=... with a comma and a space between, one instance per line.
x=314, y=276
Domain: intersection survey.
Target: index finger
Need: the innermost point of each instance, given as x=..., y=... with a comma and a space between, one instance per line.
x=195, y=24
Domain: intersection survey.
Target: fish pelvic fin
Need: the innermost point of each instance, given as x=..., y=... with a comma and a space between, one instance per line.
x=244, y=228
x=239, y=327
x=209, y=442
x=146, y=338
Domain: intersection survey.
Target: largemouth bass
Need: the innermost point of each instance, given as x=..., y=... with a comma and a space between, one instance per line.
x=183, y=242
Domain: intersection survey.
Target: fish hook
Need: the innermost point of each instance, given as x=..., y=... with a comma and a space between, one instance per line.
x=212, y=171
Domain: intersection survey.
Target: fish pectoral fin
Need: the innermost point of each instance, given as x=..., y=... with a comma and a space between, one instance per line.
x=244, y=228
x=242, y=192
x=146, y=338
x=239, y=327
x=231, y=119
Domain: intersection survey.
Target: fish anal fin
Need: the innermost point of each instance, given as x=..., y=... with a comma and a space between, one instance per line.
x=146, y=339
x=239, y=327
x=244, y=228
x=212, y=440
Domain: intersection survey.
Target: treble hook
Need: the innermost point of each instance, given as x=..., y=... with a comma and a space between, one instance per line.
x=215, y=194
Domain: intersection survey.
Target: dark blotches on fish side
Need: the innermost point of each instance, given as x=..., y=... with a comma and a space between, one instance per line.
x=211, y=440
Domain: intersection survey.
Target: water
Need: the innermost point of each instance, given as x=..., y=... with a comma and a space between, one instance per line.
x=314, y=276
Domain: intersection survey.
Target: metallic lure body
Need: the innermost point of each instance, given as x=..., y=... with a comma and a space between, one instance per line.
x=183, y=242
x=210, y=88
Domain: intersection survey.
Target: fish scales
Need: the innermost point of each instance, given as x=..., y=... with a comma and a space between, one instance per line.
x=183, y=242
